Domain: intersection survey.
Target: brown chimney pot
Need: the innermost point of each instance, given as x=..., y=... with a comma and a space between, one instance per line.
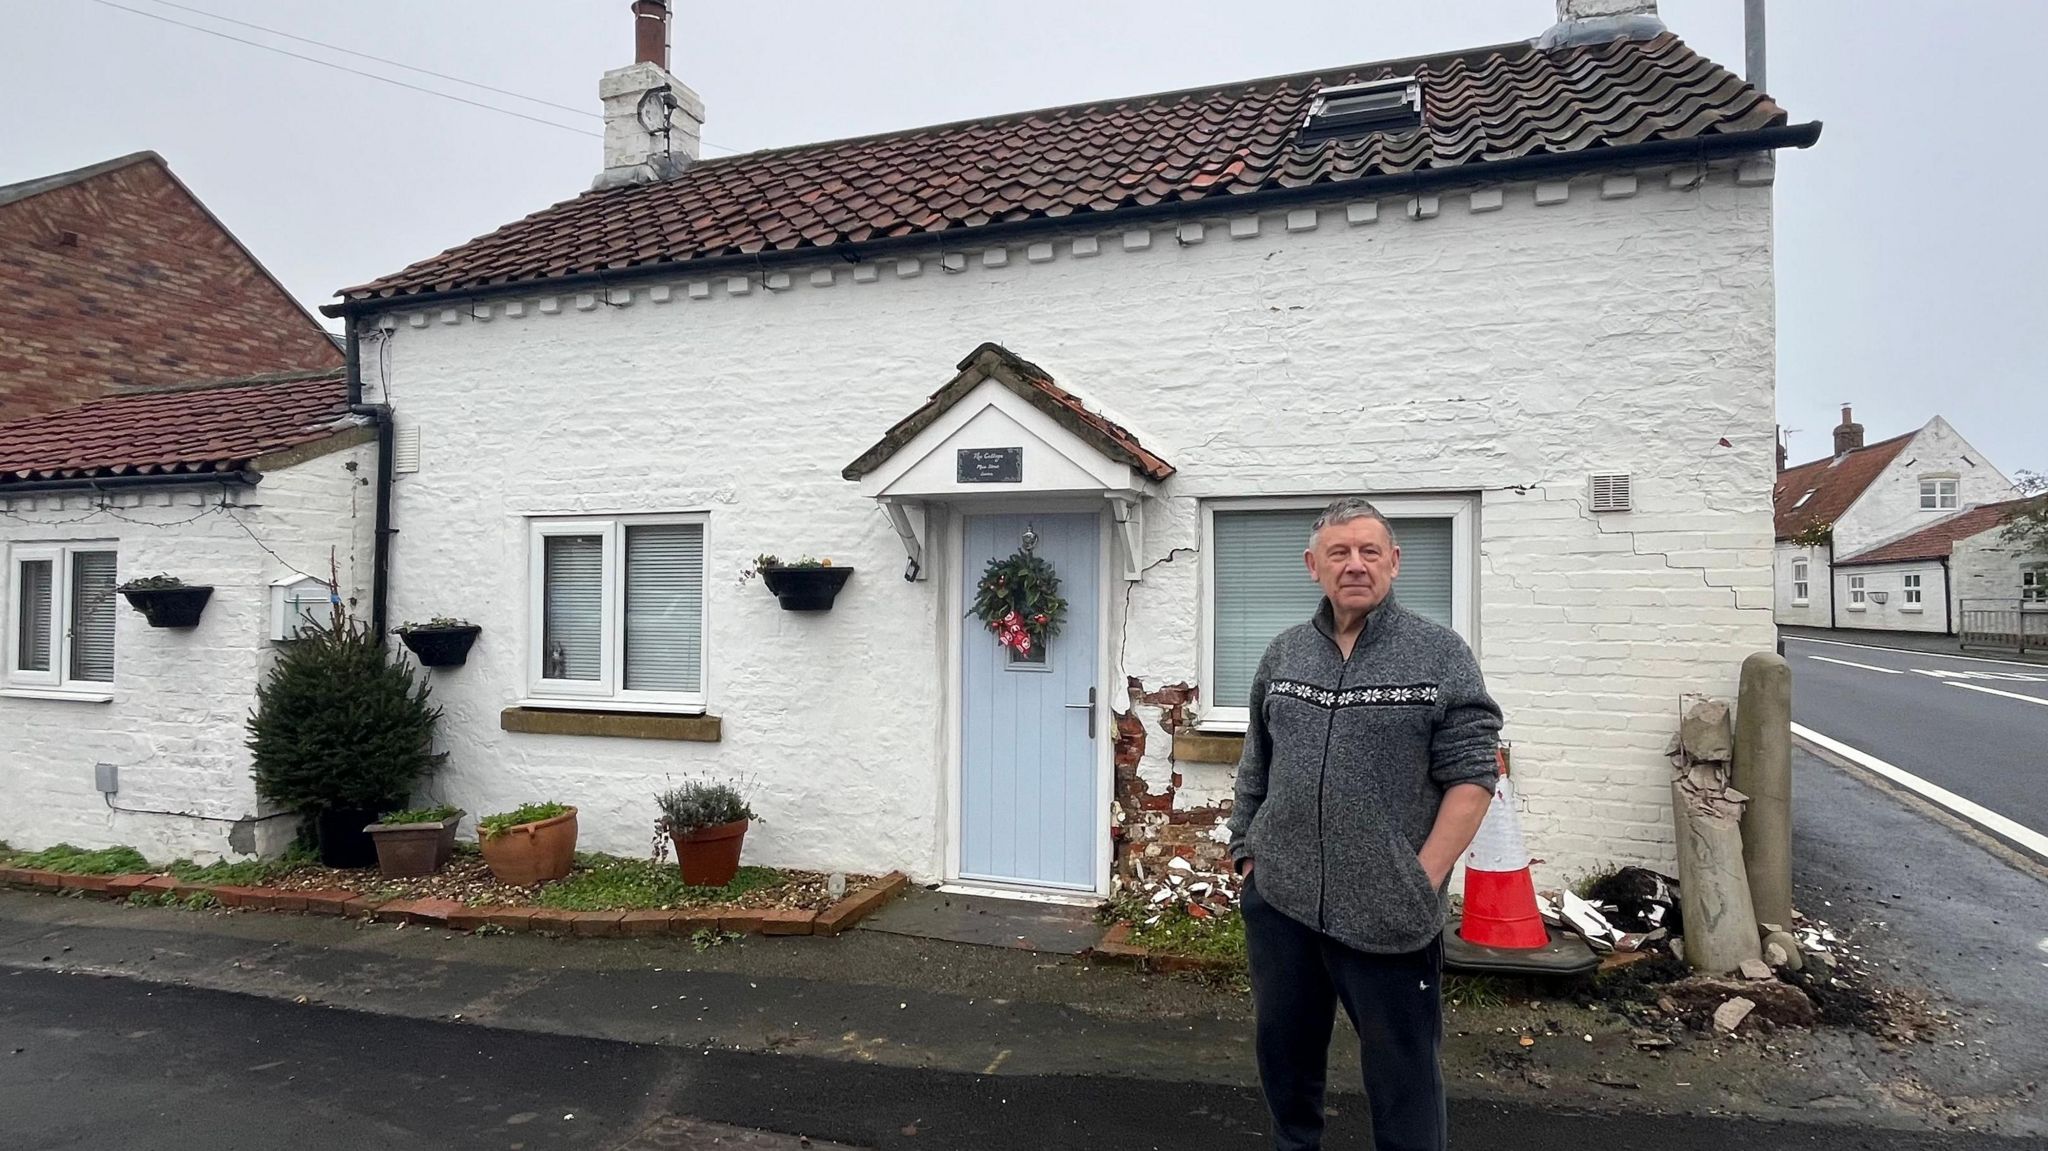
x=650, y=32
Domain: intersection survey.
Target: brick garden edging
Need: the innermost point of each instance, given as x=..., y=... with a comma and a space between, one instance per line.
x=855, y=906
x=1116, y=947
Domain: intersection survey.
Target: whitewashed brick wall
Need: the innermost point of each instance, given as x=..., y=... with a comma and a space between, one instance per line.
x=1893, y=614
x=1507, y=354
x=1986, y=567
x=1813, y=613
x=175, y=725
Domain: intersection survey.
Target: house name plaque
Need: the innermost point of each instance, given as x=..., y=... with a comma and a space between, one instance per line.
x=991, y=465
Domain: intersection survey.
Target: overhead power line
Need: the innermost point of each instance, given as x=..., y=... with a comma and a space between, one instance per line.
x=370, y=75
x=349, y=70
x=378, y=59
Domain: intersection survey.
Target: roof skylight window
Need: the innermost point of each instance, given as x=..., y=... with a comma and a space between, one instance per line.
x=1351, y=110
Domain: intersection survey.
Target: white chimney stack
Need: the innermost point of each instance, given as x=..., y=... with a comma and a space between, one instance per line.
x=1596, y=21
x=652, y=122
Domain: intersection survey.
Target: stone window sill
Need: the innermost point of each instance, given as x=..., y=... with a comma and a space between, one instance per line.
x=1913, y=607
x=615, y=724
x=67, y=694
x=1208, y=746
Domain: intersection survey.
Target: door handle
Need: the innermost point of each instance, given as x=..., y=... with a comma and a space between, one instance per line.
x=1090, y=705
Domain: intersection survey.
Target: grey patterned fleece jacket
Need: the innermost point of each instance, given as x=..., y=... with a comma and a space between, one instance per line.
x=1345, y=763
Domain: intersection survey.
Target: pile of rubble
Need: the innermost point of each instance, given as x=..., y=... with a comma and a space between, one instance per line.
x=1176, y=883
x=1809, y=973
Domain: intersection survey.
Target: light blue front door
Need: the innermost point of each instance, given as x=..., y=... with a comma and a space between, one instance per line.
x=1029, y=796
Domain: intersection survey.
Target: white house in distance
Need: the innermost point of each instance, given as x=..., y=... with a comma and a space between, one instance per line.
x=1520, y=295
x=1957, y=576
x=1833, y=510
x=113, y=731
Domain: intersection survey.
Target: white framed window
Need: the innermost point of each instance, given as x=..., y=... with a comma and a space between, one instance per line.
x=2034, y=585
x=1801, y=501
x=1939, y=494
x=1802, y=582
x=1856, y=596
x=617, y=612
x=1255, y=585
x=1911, y=600
x=60, y=617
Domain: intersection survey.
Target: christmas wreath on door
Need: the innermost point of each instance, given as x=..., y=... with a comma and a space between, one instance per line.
x=1018, y=599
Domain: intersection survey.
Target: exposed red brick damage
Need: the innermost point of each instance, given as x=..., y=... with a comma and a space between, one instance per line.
x=1151, y=830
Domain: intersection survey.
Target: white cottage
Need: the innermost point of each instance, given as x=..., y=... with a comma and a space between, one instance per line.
x=1521, y=296
x=116, y=728
x=1834, y=510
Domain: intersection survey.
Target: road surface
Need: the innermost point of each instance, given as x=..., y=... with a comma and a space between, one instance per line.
x=91, y=1063
x=1974, y=727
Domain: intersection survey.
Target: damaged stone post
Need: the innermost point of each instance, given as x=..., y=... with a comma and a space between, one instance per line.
x=1706, y=810
x=1763, y=772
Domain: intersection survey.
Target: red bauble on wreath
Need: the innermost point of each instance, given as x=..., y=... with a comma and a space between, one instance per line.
x=1018, y=599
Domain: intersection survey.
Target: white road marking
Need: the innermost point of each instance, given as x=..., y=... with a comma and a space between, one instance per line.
x=1978, y=814
x=1997, y=676
x=2006, y=694
x=1852, y=663
x=1909, y=651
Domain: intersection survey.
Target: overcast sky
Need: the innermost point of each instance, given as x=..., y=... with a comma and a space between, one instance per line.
x=1910, y=249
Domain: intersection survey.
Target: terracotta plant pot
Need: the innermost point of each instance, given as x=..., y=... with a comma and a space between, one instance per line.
x=406, y=850
x=530, y=853
x=710, y=856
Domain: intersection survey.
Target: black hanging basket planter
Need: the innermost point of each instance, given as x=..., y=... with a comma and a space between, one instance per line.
x=805, y=588
x=440, y=646
x=169, y=606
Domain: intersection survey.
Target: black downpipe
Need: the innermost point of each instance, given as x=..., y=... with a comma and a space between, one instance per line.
x=1832, y=597
x=1948, y=614
x=380, y=563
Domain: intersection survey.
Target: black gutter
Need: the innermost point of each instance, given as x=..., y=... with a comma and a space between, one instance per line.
x=156, y=480
x=1475, y=174
x=380, y=563
x=1833, y=598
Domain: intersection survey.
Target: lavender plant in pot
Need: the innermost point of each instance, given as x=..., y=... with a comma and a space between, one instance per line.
x=707, y=822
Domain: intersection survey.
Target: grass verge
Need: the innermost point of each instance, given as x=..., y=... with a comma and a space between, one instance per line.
x=608, y=883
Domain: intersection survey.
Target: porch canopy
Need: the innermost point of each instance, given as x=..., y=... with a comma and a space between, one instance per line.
x=1003, y=428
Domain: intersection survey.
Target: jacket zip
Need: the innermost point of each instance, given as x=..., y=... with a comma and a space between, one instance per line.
x=1322, y=786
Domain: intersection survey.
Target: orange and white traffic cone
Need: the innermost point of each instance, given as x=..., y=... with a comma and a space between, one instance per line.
x=1500, y=895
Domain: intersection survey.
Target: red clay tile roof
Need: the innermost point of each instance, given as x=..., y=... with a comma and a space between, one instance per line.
x=1479, y=107
x=1936, y=540
x=1835, y=483
x=995, y=362
x=174, y=431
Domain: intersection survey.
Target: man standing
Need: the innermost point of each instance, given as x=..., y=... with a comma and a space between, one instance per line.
x=1368, y=765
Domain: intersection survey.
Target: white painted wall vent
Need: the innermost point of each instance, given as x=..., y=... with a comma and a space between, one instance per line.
x=1389, y=105
x=1612, y=491
x=405, y=451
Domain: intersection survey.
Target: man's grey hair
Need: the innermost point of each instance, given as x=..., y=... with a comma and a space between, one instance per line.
x=1343, y=510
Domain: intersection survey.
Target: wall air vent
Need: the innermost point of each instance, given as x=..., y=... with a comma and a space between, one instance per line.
x=1612, y=491
x=1392, y=105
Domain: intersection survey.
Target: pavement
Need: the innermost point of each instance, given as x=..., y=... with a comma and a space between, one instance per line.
x=1975, y=727
x=96, y=1061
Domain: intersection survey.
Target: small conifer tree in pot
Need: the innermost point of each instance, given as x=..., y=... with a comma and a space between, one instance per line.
x=340, y=733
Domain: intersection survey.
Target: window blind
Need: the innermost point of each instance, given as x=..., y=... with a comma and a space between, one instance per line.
x=92, y=616
x=572, y=608
x=664, y=607
x=32, y=651
x=1263, y=588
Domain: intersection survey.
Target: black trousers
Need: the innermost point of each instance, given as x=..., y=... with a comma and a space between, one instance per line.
x=1299, y=976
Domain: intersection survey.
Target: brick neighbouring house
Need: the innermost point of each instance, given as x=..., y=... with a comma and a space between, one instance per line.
x=1520, y=294
x=116, y=275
